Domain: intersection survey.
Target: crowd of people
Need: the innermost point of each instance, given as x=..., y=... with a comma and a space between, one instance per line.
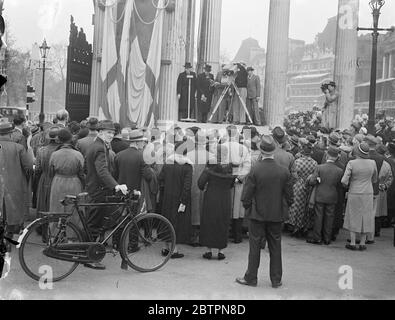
x=211, y=185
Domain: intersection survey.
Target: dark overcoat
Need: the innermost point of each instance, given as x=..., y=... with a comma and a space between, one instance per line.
x=15, y=167
x=183, y=90
x=176, y=183
x=99, y=180
x=217, y=206
x=204, y=88
x=270, y=185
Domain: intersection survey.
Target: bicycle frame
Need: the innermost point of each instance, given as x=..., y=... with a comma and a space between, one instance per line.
x=120, y=223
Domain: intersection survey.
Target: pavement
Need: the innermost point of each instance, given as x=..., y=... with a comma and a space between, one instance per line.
x=310, y=272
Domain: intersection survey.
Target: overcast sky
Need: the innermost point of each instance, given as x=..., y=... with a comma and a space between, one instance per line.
x=31, y=20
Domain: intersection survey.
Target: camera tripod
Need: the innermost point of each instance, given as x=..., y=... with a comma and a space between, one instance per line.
x=222, y=97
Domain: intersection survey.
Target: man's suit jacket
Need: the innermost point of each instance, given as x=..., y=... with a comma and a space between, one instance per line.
x=99, y=180
x=331, y=176
x=84, y=144
x=269, y=185
x=254, y=87
x=130, y=168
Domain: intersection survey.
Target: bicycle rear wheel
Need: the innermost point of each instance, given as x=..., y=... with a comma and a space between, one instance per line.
x=148, y=242
x=41, y=235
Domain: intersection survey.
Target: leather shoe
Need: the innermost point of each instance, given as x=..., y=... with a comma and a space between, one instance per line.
x=95, y=266
x=327, y=243
x=316, y=242
x=277, y=285
x=208, y=256
x=357, y=242
x=244, y=282
x=351, y=247
x=370, y=242
x=362, y=248
x=221, y=256
x=177, y=256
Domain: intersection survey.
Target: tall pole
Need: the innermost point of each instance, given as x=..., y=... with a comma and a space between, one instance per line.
x=376, y=6
x=42, y=115
x=373, y=76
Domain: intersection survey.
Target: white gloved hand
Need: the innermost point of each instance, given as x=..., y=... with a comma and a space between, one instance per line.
x=123, y=188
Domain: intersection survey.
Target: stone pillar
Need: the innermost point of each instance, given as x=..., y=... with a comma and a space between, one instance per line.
x=190, y=41
x=391, y=65
x=173, y=59
x=96, y=82
x=275, y=97
x=384, y=67
x=209, y=39
x=346, y=60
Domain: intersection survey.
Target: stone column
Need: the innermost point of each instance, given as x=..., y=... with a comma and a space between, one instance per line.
x=384, y=67
x=173, y=59
x=346, y=60
x=209, y=39
x=275, y=97
x=96, y=83
x=190, y=41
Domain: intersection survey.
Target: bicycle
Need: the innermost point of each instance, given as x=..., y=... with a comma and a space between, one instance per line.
x=57, y=242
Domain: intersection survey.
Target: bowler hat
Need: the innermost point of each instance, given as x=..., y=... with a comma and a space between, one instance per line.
x=188, y=65
x=53, y=133
x=6, y=127
x=333, y=152
x=65, y=136
x=362, y=151
x=295, y=140
x=208, y=68
x=136, y=136
x=371, y=141
x=279, y=135
x=334, y=139
x=250, y=69
x=268, y=146
x=92, y=124
x=106, y=125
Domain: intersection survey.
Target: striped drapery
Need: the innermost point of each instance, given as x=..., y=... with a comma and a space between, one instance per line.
x=131, y=60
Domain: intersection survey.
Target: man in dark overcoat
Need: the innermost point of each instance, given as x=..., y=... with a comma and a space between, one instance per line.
x=269, y=185
x=186, y=80
x=99, y=181
x=16, y=165
x=205, y=92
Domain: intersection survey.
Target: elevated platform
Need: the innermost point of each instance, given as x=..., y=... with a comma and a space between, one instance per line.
x=166, y=125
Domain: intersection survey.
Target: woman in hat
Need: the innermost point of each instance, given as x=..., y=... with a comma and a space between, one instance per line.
x=218, y=181
x=359, y=178
x=301, y=171
x=67, y=170
x=175, y=180
x=42, y=169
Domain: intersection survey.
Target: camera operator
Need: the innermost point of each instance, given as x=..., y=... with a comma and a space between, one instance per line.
x=239, y=115
x=329, y=113
x=220, y=84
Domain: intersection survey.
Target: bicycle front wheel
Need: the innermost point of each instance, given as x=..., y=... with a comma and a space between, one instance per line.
x=41, y=235
x=148, y=242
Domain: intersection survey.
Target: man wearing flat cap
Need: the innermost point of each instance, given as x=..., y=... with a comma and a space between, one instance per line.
x=100, y=182
x=84, y=144
x=205, y=91
x=253, y=96
x=186, y=90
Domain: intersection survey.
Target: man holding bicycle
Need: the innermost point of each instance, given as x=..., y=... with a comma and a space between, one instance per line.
x=100, y=182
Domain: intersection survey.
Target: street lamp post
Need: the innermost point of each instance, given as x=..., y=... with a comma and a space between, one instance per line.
x=44, y=49
x=376, y=6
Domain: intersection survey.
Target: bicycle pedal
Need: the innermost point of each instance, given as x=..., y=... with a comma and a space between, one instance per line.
x=124, y=265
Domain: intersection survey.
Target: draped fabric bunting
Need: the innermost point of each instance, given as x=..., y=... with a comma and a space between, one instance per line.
x=131, y=60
